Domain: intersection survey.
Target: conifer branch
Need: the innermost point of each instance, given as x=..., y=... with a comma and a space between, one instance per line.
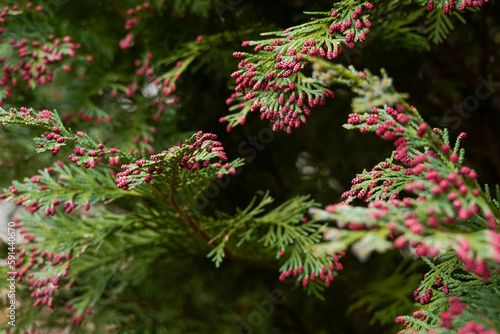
x=425, y=170
x=271, y=80
x=129, y=215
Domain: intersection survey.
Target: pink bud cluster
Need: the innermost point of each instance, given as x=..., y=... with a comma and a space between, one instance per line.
x=290, y=103
x=26, y=116
x=432, y=182
x=324, y=274
x=389, y=124
x=20, y=196
x=455, y=309
x=77, y=318
x=81, y=156
x=419, y=315
x=471, y=263
x=167, y=98
x=360, y=192
x=166, y=84
x=31, y=61
x=86, y=118
x=472, y=327
x=424, y=298
x=36, y=185
x=134, y=12
x=190, y=156
x=276, y=93
x=137, y=14
x=401, y=320
x=462, y=5
x=352, y=27
x=89, y=158
x=144, y=68
x=31, y=267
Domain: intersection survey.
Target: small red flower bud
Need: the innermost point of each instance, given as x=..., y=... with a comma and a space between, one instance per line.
x=304, y=281
x=400, y=242
x=445, y=149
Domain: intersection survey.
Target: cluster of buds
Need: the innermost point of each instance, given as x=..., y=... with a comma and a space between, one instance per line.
x=53, y=138
x=447, y=320
x=423, y=298
x=432, y=180
x=89, y=158
x=462, y=5
x=359, y=189
x=455, y=309
x=419, y=315
x=393, y=124
x=159, y=88
x=473, y=327
x=196, y=153
x=324, y=274
x=23, y=194
x=32, y=267
x=144, y=68
x=278, y=92
x=78, y=317
x=32, y=193
x=471, y=263
x=436, y=176
x=289, y=103
x=167, y=85
x=354, y=26
x=401, y=320
x=134, y=12
x=87, y=118
x=137, y=13
x=26, y=116
x=31, y=61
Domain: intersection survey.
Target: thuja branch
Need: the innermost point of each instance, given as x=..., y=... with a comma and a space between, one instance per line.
x=270, y=81
x=28, y=57
x=283, y=234
x=62, y=184
x=180, y=172
x=423, y=197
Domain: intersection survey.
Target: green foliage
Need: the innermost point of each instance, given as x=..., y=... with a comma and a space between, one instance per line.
x=438, y=26
x=387, y=298
x=443, y=207
x=114, y=236
x=402, y=27
x=271, y=80
x=283, y=231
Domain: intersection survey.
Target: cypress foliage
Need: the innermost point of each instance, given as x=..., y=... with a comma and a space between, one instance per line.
x=145, y=204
